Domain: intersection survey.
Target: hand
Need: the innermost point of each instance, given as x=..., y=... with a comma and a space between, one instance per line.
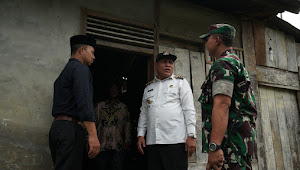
x=215, y=160
x=140, y=144
x=94, y=146
x=190, y=145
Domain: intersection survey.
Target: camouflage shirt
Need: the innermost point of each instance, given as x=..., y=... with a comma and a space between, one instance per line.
x=229, y=77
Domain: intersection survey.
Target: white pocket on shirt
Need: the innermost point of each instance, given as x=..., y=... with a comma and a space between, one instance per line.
x=171, y=93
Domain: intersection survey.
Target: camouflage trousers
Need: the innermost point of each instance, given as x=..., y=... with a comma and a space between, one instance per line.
x=233, y=165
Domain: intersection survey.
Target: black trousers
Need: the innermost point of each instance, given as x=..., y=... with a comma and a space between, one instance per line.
x=67, y=141
x=167, y=157
x=108, y=160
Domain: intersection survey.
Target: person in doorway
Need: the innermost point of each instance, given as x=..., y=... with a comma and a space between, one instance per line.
x=168, y=117
x=113, y=125
x=73, y=109
x=228, y=105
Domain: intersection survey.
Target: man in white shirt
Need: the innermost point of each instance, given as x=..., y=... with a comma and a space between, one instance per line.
x=168, y=117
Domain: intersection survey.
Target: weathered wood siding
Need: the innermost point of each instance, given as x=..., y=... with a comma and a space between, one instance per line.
x=280, y=119
x=283, y=48
x=277, y=78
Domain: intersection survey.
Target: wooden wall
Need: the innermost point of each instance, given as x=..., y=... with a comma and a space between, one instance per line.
x=275, y=80
x=284, y=50
x=280, y=119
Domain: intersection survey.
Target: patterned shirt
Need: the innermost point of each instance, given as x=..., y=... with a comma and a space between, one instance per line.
x=167, y=111
x=113, y=126
x=229, y=77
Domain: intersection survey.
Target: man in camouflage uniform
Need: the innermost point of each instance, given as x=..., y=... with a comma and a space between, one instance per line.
x=228, y=105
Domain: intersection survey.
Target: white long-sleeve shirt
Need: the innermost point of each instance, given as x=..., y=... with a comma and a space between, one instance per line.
x=167, y=112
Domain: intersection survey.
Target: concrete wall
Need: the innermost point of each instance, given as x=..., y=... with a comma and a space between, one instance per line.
x=34, y=38
x=190, y=20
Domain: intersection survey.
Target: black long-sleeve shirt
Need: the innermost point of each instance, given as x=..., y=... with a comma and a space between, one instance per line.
x=73, y=92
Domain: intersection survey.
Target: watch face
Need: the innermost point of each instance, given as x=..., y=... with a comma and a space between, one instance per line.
x=212, y=146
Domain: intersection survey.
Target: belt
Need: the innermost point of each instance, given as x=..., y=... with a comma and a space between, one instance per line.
x=69, y=118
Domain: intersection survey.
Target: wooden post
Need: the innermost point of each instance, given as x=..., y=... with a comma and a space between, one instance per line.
x=83, y=20
x=250, y=64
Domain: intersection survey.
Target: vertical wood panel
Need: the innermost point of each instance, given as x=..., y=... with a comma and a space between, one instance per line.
x=282, y=108
x=168, y=49
x=280, y=51
x=198, y=77
x=182, y=64
x=83, y=20
x=249, y=47
x=276, y=40
x=259, y=39
x=291, y=53
x=266, y=129
x=283, y=132
x=271, y=104
x=270, y=42
x=292, y=124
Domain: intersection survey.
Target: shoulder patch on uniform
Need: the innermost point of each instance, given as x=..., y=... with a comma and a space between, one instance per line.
x=149, y=83
x=178, y=77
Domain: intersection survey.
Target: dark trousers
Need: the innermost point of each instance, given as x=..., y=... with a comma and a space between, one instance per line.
x=67, y=141
x=167, y=157
x=108, y=160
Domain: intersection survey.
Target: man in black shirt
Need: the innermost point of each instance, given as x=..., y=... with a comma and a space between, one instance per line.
x=73, y=109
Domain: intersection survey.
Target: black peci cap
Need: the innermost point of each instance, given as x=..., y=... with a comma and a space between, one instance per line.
x=165, y=55
x=82, y=39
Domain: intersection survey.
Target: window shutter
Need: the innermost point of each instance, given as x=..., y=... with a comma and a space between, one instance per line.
x=119, y=31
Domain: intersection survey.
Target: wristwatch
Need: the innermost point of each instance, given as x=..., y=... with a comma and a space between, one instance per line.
x=214, y=147
x=193, y=135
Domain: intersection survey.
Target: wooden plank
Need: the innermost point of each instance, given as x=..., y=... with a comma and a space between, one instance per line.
x=279, y=48
x=298, y=53
x=291, y=53
x=259, y=41
x=271, y=104
x=266, y=129
x=276, y=77
x=191, y=40
x=168, y=49
x=124, y=47
x=182, y=63
x=83, y=19
x=270, y=40
x=248, y=47
x=283, y=153
x=292, y=124
x=151, y=61
x=276, y=40
x=198, y=77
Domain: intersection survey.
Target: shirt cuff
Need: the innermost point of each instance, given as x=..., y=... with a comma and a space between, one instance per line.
x=222, y=87
x=141, y=133
x=191, y=129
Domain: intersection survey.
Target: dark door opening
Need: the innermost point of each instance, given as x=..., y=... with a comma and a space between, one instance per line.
x=130, y=70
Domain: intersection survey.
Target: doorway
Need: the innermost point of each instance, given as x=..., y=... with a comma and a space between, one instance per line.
x=129, y=69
